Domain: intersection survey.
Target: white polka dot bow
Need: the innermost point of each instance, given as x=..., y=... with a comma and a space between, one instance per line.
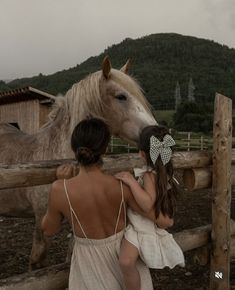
x=161, y=148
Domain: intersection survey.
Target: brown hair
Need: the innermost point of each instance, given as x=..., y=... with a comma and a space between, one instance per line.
x=89, y=141
x=166, y=198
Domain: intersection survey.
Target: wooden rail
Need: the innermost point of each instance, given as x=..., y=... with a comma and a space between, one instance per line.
x=44, y=172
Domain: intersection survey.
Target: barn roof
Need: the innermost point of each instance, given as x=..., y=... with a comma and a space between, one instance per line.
x=25, y=94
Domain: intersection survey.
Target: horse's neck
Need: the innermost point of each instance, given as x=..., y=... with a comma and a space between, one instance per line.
x=69, y=115
x=55, y=138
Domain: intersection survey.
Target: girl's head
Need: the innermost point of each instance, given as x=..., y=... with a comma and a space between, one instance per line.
x=144, y=140
x=166, y=186
x=89, y=141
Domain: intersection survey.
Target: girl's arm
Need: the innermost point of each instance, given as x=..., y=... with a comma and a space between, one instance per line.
x=145, y=197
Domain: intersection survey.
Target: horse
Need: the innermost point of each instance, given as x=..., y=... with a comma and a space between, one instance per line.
x=109, y=94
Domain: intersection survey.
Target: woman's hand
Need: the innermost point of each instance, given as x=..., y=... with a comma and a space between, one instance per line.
x=126, y=177
x=66, y=171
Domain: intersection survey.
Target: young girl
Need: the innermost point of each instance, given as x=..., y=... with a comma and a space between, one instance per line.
x=156, y=188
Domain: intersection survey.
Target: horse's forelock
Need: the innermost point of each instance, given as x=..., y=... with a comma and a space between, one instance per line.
x=85, y=98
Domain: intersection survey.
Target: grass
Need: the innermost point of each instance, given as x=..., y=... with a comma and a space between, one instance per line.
x=166, y=116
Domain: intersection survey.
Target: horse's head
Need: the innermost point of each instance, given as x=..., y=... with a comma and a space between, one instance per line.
x=126, y=109
x=114, y=96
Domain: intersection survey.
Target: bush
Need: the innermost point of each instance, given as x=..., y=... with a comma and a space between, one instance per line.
x=196, y=117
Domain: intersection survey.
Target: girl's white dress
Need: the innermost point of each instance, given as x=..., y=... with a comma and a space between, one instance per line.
x=157, y=247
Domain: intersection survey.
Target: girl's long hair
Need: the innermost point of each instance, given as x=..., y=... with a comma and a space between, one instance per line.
x=166, y=186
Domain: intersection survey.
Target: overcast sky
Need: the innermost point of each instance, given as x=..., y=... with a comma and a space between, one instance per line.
x=45, y=36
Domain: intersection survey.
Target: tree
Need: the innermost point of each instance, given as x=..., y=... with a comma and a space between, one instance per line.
x=192, y=116
x=177, y=96
x=191, y=89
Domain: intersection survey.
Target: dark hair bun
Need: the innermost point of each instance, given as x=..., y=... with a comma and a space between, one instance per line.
x=84, y=155
x=89, y=141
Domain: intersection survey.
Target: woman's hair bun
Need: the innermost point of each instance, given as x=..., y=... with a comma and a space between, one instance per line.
x=89, y=141
x=84, y=154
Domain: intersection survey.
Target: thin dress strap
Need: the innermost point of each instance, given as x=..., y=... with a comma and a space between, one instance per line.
x=72, y=212
x=120, y=209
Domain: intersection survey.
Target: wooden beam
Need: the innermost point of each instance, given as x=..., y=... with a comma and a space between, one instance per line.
x=199, y=178
x=50, y=278
x=202, y=254
x=221, y=194
x=43, y=172
x=197, y=237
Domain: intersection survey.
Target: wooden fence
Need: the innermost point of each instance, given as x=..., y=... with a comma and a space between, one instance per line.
x=184, y=141
x=207, y=169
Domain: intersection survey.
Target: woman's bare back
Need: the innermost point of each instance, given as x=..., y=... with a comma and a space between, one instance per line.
x=95, y=198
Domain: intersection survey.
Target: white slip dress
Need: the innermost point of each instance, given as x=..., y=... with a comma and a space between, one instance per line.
x=95, y=262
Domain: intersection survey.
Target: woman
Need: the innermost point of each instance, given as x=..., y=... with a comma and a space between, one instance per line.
x=94, y=204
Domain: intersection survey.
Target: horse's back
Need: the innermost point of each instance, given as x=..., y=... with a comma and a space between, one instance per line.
x=15, y=146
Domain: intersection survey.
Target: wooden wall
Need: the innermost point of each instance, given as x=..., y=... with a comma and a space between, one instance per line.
x=44, y=111
x=26, y=114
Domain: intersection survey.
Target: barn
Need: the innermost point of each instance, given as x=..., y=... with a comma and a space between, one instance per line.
x=26, y=108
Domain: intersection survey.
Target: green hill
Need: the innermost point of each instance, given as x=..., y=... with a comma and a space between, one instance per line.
x=158, y=62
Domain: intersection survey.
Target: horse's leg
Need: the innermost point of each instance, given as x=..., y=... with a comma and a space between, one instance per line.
x=40, y=246
x=14, y=202
x=39, y=199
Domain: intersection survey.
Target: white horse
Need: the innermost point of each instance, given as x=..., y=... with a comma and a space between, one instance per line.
x=109, y=94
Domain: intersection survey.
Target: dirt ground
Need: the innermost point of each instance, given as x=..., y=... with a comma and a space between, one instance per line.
x=194, y=209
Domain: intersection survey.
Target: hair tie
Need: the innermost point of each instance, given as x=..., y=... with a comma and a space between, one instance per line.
x=85, y=151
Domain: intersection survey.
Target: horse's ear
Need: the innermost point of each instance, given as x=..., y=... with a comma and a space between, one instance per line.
x=106, y=67
x=126, y=67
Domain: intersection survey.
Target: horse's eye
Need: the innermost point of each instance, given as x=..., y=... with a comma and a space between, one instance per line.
x=121, y=97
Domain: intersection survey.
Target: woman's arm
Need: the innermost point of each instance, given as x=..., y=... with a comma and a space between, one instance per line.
x=51, y=222
x=145, y=197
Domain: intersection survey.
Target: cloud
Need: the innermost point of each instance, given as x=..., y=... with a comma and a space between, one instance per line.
x=50, y=35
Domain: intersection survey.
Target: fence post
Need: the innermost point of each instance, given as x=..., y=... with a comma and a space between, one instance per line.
x=128, y=148
x=221, y=194
x=111, y=144
x=201, y=142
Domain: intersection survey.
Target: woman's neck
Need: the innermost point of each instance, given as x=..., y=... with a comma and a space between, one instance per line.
x=92, y=169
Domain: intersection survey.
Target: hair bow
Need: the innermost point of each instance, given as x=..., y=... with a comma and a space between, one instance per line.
x=161, y=148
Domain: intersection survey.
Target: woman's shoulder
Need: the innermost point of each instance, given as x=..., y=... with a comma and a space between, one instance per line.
x=57, y=185
x=112, y=182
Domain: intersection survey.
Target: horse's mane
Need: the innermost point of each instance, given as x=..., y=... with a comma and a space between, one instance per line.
x=90, y=100
x=59, y=103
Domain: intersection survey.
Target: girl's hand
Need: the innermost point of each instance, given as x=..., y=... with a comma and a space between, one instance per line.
x=126, y=177
x=66, y=171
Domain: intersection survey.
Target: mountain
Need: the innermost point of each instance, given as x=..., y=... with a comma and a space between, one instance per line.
x=159, y=61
